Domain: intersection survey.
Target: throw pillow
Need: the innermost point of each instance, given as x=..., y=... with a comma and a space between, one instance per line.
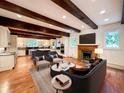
x=96, y=61
x=91, y=60
x=54, y=56
x=41, y=58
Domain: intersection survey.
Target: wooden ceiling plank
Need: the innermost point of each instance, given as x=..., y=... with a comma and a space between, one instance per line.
x=74, y=10
x=20, y=10
x=23, y=25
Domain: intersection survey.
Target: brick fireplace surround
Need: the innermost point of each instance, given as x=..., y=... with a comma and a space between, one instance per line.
x=87, y=47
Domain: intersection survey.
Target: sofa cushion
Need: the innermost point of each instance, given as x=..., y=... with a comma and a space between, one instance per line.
x=56, y=60
x=43, y=62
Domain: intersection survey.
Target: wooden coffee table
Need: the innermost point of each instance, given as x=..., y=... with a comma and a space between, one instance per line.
x=79, y=65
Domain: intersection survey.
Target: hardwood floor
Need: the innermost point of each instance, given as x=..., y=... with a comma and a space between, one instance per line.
x=114, y=82
x=19, y=80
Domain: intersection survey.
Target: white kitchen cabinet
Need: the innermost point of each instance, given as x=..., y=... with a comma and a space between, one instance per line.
x=12, y=44
x=7, y=61
x=21, y=52
x=4, y=36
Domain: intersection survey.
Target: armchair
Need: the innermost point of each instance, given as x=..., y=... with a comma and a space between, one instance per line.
x=40, y=58
x=55, y=57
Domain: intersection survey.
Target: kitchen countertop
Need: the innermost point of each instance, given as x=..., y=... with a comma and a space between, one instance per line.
x=7, y=53
x=24, y=48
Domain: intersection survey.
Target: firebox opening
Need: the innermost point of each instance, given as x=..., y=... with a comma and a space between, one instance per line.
x=86, y=55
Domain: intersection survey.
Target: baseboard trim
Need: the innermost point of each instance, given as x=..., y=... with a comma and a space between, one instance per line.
x=115, y=66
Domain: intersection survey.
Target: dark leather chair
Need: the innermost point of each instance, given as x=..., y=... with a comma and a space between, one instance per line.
x=55, y=57
x=40, y=57
x=90, y=82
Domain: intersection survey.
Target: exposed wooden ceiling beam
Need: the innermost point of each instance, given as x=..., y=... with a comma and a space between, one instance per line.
x=20, y=10
x=25, y=34
x=13, y=31
x=34, y=32
x=74, y=10
x=31, y=36
x=23, y=25
x=36, y=37
x=122, y=19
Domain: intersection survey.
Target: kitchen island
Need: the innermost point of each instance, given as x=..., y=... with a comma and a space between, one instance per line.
x=7, y=61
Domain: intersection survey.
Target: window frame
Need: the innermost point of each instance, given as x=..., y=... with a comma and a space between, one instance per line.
x=105, y=40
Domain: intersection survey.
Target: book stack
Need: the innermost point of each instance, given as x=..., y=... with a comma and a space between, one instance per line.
x=63, y=81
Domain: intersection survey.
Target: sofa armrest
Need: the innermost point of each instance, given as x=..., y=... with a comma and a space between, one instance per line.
x=60, y=56
x=34, y=61
x=49, y=58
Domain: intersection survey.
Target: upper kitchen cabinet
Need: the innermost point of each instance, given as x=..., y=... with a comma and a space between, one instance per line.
x=4, y=36
x=12, y=43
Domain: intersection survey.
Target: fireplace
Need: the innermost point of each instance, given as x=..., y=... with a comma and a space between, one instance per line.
x=86, y=51
x=86, y=55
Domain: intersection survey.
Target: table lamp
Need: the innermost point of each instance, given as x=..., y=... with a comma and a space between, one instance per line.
x=98, y=51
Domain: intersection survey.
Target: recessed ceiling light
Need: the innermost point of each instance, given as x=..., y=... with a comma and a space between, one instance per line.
x=64, y=17
x=107, y=19
x=19, y=16
x=82, y=26
x=50, y=25
x=102, y=12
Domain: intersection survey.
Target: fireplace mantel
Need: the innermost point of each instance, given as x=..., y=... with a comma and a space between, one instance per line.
x=87, y=47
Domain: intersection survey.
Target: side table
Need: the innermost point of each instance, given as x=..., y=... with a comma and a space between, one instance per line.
x=57, y=86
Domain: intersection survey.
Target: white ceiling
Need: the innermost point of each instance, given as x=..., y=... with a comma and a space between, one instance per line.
x=92, y=8
x=89, y=7
x=12, y=15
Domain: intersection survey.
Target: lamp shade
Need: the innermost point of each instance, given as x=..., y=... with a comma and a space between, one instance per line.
x=98, y=51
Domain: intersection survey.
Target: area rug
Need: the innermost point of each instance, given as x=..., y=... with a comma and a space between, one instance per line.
x=42, y=79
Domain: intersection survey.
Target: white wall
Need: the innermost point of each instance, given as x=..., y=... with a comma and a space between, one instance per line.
x=113, y=56
x=73, y=50
x=65, y=41
x=70, y=51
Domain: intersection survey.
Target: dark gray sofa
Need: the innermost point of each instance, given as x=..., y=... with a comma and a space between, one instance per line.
x=89, y=83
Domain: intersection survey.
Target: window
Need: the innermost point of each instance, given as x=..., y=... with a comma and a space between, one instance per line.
x=32, y=43
x=73, y=42
x=111, y=40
